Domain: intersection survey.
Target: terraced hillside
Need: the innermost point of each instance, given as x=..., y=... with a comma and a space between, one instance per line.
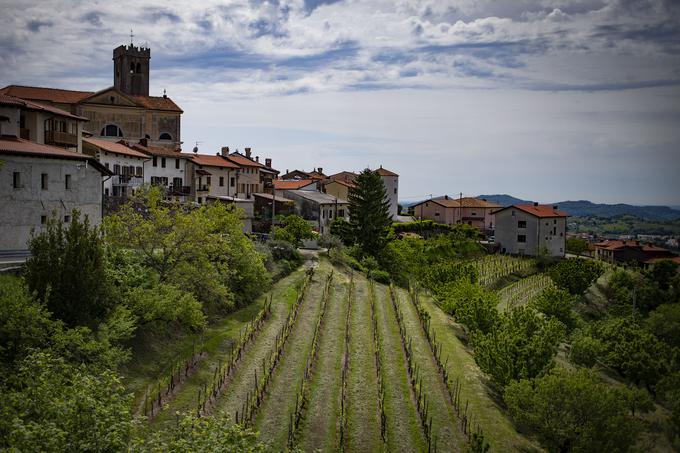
x=340, y=363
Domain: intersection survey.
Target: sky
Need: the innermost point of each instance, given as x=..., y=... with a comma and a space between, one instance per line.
x=547, y=100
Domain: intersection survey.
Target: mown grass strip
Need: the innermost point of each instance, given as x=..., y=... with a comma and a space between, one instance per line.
x=344, y=422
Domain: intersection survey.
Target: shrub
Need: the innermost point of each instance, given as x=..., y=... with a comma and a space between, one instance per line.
x=557, y=303
x=471, y=305
x=575, y=274
x=585, y=349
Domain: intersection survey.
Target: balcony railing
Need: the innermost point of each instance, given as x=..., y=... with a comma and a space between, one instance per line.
x=127, y=180
x=60, y=138
x=180, y=190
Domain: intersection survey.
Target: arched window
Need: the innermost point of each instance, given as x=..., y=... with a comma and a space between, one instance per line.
x=111, y=130
x=139, y=68
x=165, y=136
x=132, y=68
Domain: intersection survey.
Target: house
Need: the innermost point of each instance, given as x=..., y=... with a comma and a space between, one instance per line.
x=122, y=111
x=319, y=209
x=531, y=229
x=210, y=176
x=345, y=176
x=338, y=188
x=472, y=211
x=126, y=164
x=316, y=174
x=166, y=168
x=631, y=251
x=263, y=209
x=391, y=182
x=268, y=175
x=298, y=184
x=251, y=174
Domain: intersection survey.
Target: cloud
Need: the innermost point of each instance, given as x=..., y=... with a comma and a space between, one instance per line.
x=93, y=17
x=36, y=25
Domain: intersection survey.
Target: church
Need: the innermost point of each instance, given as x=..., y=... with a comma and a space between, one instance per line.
x=124, y=111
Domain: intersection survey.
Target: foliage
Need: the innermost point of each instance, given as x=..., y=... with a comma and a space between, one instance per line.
x=67, y=271
x=341, y=228
x=52, y=405
x=575, y=274
x=294, y=230
x=664, y=322
x=577, y=245
x=204, y=434
x=647, y=289
x=521, y=347
x=472, y=305
x=165, y=303
x=585, y=350
x=369, y=213
x=330, y=242
x=668, y=390
x=557, y=303
x=438, y=277
x=572, y=411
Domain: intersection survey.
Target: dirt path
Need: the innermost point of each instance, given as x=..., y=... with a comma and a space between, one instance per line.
x=273, y=416
x=320, y=429
x=403, y=425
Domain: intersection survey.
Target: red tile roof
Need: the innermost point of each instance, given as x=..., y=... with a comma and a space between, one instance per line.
x=292, y=185
x=384, y=172
x=114, y=147
x=243, y=161
x=467, y=202
x=346, y=176
x=45, y=94
x=348, y=184
x=619, y=244
x=157, y=103
x=19, y=146
x=30, y=105
x=541, y=210
x=158, y=151
x=210, y=160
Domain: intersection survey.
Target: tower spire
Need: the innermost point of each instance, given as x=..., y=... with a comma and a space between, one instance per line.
x=131, y=36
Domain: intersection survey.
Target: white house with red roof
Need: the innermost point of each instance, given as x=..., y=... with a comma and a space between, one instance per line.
x=211, y=176
x=126, y=164
x=531, y=229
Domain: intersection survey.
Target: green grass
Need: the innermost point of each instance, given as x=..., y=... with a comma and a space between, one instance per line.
x=320, y=428
x=274, y=414
x=362, y=387
x=498, y=428
x=404, y=432
x=445, y=424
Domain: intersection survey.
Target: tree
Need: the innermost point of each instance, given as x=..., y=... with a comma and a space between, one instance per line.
x=570, y=411
x=294, y=230
x=664, y=322
x=577, y=245
x=369, y=213
x=522, y=346
x=575, y=274
x=165, y=303
x=67, y=270
x=557, y=303
x=472, y=305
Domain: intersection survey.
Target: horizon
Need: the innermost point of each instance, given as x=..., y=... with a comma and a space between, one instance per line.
x=545, y=100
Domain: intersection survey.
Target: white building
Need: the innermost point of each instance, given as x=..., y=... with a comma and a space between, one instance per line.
x=211, y=176
x=165, y=168
x=531, y=230
x=391, y=182
x=318, y=208
x=126, y=164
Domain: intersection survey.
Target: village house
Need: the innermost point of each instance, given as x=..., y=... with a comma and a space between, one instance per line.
x=338, y=188
x=531, y=229
x=471, y=211
x=298, y=184
x=319, y=209
x=126, y=164
x=211, y=176
x=42, y=180
x=250, y=177
x=631, y=252
x=165, y=168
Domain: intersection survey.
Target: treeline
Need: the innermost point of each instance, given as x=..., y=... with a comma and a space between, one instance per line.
x=86, y=295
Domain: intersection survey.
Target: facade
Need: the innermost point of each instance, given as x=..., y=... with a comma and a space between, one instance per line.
x=338, y=188
x=531, y=230
x=40, y=181
x=319, y=209
x=165, y=168
x=631, y=251
x=123, y=111
x=472, y=211
x=391, y=182
x=251, y=175
x=126, y=164
x=345, y=176
x=211, y=176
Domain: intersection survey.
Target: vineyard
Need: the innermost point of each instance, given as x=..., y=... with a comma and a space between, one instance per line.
x=523, y=291
x=493, y=269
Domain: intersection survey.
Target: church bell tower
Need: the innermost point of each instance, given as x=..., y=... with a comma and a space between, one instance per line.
x=131, y=69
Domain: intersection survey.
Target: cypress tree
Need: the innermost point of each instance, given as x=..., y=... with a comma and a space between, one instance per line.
x=369, y=213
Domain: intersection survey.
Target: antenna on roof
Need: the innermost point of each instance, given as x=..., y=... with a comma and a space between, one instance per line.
x=131, y=36
x=196, y=147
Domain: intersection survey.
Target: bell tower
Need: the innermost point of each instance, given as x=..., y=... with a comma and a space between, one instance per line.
x=131, y=69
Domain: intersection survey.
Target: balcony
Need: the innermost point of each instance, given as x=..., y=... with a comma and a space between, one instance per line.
x=203, y=188
x=127, y=180
x=180, y=190
x=60, y=138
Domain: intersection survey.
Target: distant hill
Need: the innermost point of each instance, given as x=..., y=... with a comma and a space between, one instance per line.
x=584, y=208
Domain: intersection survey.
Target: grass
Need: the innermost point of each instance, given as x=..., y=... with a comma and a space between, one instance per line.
x=362, y=387
x=498, y=428
x=403, y=423
x=320, y=428
x=273, y=416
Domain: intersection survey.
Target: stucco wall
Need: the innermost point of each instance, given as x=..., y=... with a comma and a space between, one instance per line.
x=170, y=171
x=392, y=189
x=536, y=232
x=21, y=209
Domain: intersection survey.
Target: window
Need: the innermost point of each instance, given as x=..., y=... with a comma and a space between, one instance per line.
x=341, y=213
x=131, y=172
x=323, y=213
x=208, y=180
x=221, y=181
x=132, y=68
x=111, y=130
x=43, y=181
x=162, y=162
x=521, y=224
x=106, y=191
x=513, y=213
x=16, y=180
x=140, y=171
x=200, y=200
x=176, y=163
x=554, y=231
x=232, y=182
x=67, y=182
x=155, y=161
x=116, y=169
x=67, y=218
x=165, y=136
x=43, y=219
x=521, y=238
x=395, y=190
x=106, y=164
x=555, y=222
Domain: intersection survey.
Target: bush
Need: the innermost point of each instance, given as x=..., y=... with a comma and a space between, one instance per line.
x=557, y=303
x=575, y=274
x=294, y=230
x=572, y=411
x=585, y=350
x=472, y=305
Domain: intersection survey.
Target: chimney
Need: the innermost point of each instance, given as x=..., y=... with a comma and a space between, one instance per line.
x=144, y=142
x=555, y=207
x=446, y=197
x=268, y=162
x=535, y=203
x=257, y=159
x=248, y=152
x=320, y=170
x=287, y=171
x=225, y=151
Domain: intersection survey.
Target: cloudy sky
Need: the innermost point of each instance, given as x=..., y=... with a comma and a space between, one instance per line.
x=541, y=99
